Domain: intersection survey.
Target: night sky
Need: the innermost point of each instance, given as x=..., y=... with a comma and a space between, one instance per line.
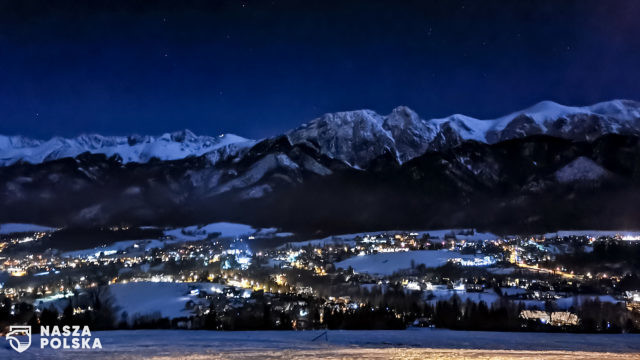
x=257, y=68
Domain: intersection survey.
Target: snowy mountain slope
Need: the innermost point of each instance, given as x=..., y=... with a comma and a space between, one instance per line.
x=547, y=117
x=503, y=186
x=357, y=137
x=263, y=168
x=170, y=146
x=581, y=169
x=353, y=137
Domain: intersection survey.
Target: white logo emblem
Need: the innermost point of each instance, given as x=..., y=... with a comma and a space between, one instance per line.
x=15, y=342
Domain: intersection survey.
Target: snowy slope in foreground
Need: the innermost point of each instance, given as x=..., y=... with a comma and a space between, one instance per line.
x=170, y=146
x=379, y=344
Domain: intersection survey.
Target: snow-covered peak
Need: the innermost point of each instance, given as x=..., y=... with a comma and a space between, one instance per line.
x=169, y=146
x=347, y=121
x=357, y=137
x=540, y=112
x=402, y=116
x=551, y=118
x=547, y=111
x=619, y=109
x=466, y=127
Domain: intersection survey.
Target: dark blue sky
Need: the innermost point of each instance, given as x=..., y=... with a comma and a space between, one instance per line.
x=257, y=68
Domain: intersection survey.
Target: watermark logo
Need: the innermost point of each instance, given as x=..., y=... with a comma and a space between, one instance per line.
x=68, y=337
x=53, y=337
x=18, y=344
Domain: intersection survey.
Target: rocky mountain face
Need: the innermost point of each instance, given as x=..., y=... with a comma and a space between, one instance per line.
x=532, y=183
x=354, y=137
x=139, y=149
x=545, y=167
x=358, y=137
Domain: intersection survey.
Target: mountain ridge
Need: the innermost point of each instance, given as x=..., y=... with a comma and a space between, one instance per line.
x=356, y=137
x=535, y=183
x=133, y=148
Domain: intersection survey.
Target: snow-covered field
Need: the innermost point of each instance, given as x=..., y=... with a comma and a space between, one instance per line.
x=406, y=344
x=10, y=228
x=333, y=240
x=165, y=299
x=460, y=234
x=223, y=230
x=567, y=302
x=141, y=245
x=594, y=233
x=388, y=263
x=442, y=293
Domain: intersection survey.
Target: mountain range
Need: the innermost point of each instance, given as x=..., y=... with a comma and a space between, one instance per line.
x=170, y=146
x=356, y=137
x=543, y=167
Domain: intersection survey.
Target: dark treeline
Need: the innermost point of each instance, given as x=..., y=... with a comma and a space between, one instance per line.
x=364, y=318
x=594, y=316
x=391, y=310
x=617, y=257
x=99, y=314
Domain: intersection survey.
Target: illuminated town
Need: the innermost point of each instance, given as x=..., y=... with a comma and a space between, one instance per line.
x=398, y=279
